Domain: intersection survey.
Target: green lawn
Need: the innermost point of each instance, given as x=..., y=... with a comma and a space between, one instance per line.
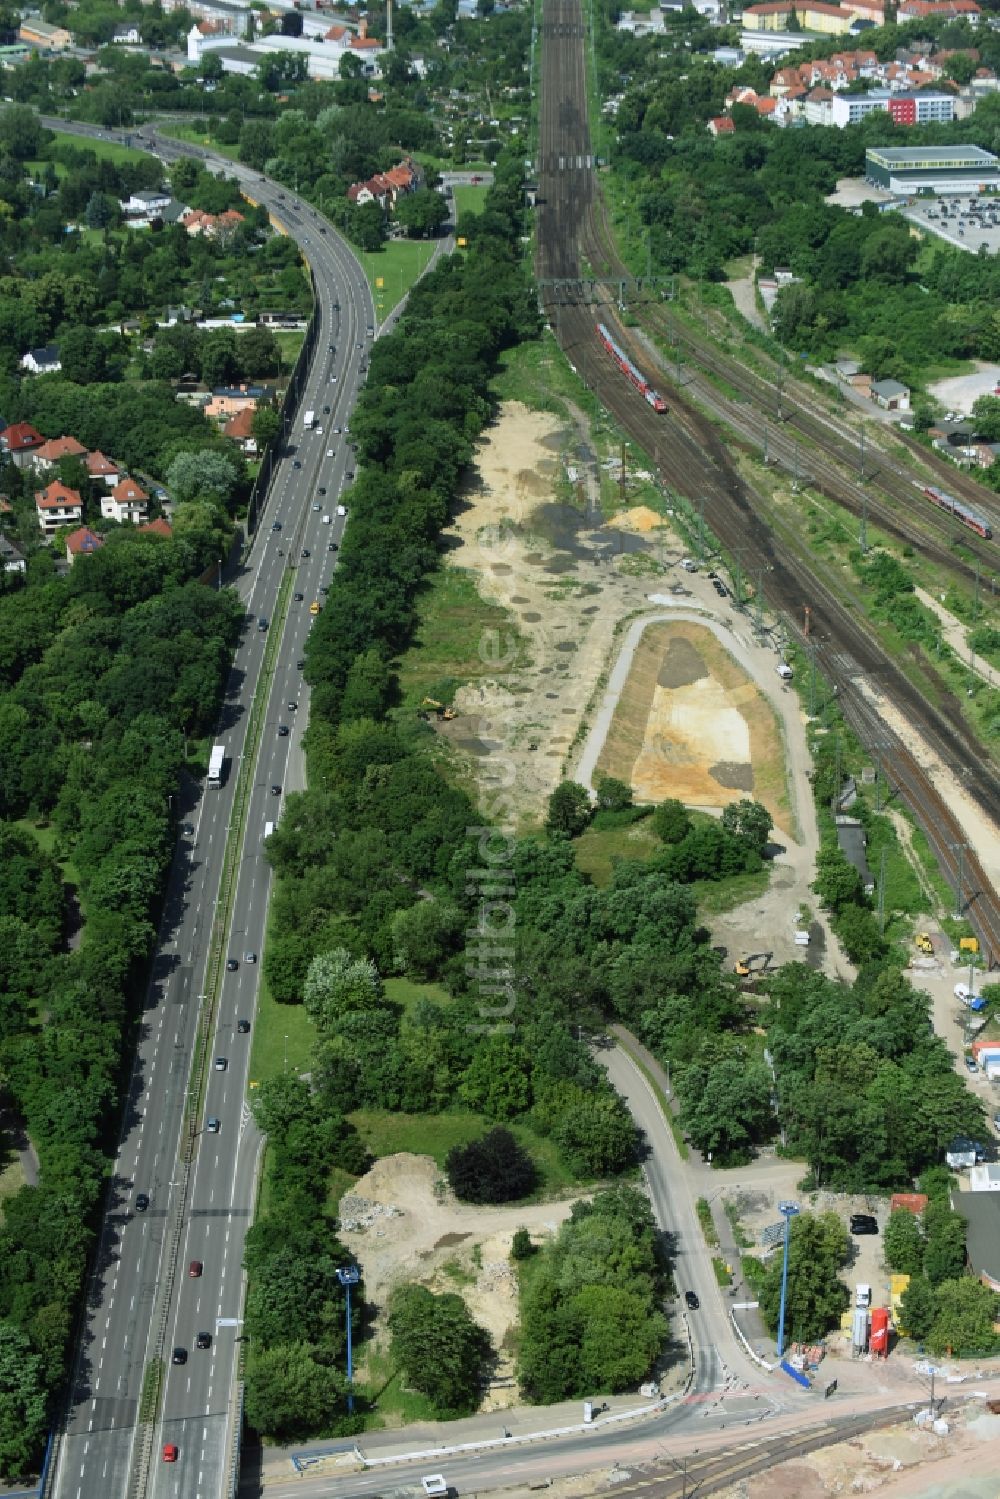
x=469, y=199
x=45, y=836
x=598, y=848
x=283, y=1036
x=397, y=266
x=179, y=132
x=453, y=622
x=435, y=1134
x=289, y=341
x=107, y=150
x=406, y=992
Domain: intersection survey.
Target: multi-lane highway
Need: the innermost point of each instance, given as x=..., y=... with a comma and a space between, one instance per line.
x=171, y=1270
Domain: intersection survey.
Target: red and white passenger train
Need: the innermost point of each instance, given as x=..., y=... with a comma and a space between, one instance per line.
x=630, y=370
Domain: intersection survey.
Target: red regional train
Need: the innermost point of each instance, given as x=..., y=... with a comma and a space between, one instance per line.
x=630, y=370
x=958, y=508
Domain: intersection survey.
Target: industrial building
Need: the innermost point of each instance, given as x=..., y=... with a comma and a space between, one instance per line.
x=908, y=170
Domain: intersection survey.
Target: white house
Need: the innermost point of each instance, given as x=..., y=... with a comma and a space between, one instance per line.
x=126, y=36
x=127, y=501
x=42, y=361
x=58, y=505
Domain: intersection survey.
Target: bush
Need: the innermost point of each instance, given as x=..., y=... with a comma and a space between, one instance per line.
x=521, y=1247
x=492, y=1169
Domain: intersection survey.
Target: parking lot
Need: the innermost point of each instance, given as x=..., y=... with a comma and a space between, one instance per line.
x=971, y=223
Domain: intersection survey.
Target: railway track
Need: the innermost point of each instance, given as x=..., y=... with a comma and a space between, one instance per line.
x=693, y=460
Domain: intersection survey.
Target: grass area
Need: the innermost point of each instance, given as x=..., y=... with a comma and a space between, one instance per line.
x=435, y=1134
x=713, y=897
x=176, y=131
x=397, y=266
x=537, y=374
x=283, y=1038
x=598, y=848
x=105, y=150
x=469, y=199
x=11, y=1178
x=704, y=1210
x=739, y=1233
x=406, y=992
x=723, y=1274
x=458, y=638
x=390, y=1403
x=46, y=837
x=289, y=341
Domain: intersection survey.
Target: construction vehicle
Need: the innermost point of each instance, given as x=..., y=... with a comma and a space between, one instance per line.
x=439, y=708
x=924, y=943
x=968, y=944
x=753, y=963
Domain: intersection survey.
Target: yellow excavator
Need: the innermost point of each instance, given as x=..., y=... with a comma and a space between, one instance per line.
x=439, y=708
x=755, y=962
x=923, y=942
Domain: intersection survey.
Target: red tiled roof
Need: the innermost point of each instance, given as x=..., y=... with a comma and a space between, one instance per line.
x=56, y=496
x=240, y=426
x=100, y=466
x=60, y=447
x=129, y=490
x=83, y=541
x=20, y=436
x=158, y=527
x=910, y=1202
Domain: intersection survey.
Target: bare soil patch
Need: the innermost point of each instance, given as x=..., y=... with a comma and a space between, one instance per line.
x=405, y=1224
x=691, y=724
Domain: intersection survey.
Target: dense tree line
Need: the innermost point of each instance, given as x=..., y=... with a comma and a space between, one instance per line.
x=103, y=673
x=590, y=1317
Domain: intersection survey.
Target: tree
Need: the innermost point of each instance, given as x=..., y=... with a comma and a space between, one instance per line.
x=100, y=211
x=493, y=1168
x=749, y=822
x=423, y=935
x=421, y=213
x=521, y=1247
x=917, y=1308
x=438, y=1347
x=903, y=1243
x=569, y=809
x=338, y=984
x=496, y=1081
x=265, y=426
x=259, y=352
x=202, y=475
x=671, y=822
x=816, y=1296
x=727, y=1107
x=964, y=1318
x=613, y=795
x=290, y=1394
x=944, y=1253
x=23, y=1406
x=597, y=1134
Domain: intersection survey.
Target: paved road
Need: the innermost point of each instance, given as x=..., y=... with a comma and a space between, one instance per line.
x=142, y=1291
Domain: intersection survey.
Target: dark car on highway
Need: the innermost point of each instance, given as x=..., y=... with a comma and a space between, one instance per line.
x=692, y=1300
x=141, y=1202
x=180, y=1356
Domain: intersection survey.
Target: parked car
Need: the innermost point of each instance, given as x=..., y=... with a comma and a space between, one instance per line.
x=863, y=1223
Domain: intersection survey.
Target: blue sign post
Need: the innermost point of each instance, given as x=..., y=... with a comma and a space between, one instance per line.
x=348, y=1277
x=788, y=1211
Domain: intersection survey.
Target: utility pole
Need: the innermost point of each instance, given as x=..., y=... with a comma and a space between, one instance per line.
x=862, y=452
x=863, y=529
x=759, y=602
x=795, y=468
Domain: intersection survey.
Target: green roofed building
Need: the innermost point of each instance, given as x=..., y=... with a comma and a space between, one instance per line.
x=907, y=170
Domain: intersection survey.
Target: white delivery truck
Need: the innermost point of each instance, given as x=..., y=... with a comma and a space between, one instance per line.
x=216, y=764
x=268, y=829
x=309, y=420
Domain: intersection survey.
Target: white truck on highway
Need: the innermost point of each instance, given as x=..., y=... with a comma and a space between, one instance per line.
x=216, y=764
x=309, y=420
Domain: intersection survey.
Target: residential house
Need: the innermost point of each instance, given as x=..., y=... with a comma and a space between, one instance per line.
x=939, y=10
x=126, y=36
x=891, y=395
x=57, y=505
x=158, y=527
x=56, y=448
x=145, y=204
x=42, y=361
x=20, y=441
x=720, y=125
x=82, y=543
x=812, y=15
x=212, y=225
x=239, y=429
x=12, y=560
x=386, y=188
x=102, y=469
x=128, y=501
x=227, y=401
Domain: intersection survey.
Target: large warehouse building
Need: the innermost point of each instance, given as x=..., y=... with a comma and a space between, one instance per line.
x=908, y=170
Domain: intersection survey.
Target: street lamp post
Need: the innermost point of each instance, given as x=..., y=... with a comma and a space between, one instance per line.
x=349, y=1275
x=788, y=1211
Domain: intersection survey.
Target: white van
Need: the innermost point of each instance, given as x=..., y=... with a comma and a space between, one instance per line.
x=689, y=565
x=268, y=829
x=862, y=1296
x=341, y=509
x=326, y=520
